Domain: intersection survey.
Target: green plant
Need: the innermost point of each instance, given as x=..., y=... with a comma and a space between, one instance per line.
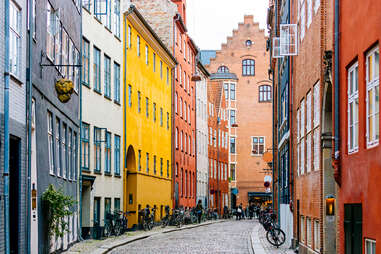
x=58, y=206
x=230, y=179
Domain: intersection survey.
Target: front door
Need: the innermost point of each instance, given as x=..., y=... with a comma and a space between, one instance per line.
x=14, y=194
x=353, y=228
x=97, y=217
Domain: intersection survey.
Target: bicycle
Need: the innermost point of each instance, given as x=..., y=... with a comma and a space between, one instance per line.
x=274, y=235
x=112, y=224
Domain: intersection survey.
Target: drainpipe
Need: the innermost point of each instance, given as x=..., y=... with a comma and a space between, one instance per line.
x=80, y=134
x=6, y=128
x=337, y=115
x=29, y=122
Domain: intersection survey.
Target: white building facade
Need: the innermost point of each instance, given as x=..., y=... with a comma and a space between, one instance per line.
x=102, y=113
x=202, y=135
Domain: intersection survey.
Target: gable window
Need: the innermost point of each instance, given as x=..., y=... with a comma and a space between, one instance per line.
x=258, y=145
x=353, y=109
x=248, y=67
x=138, y=45
x=372, y=97
x=223, y=69
x=107, y=76
x=147, y=55
x=264, y=93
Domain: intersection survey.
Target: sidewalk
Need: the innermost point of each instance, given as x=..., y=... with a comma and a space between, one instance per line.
x=93, y=246
x=262, y=246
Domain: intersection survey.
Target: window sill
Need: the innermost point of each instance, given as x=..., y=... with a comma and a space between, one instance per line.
x=98, y=172
x=86, y=85
x=117, y=37
x=16, y=79
x=117, y=103
x=372, y=145
x=97, y=91
x=108, y=174
x=98, y=20
x=117, y=175
x=85, y=170
x=350, y=152
x=88, y=11
x=108, y=29
x=107, y=97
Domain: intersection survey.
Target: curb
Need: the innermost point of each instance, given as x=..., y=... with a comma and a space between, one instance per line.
x=107, y=248
x=256, y=245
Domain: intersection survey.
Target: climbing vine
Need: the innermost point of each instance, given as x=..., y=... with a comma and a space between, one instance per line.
x=57, y=206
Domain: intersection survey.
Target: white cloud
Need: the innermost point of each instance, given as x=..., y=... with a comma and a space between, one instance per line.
x=209, y=22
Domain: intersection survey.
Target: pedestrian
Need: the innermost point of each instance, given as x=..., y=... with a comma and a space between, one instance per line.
x=239, y=212
x=199, y=211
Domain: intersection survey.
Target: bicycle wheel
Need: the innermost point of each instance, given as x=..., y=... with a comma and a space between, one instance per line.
x=145, y=226
x=107, y=230
x=276, y=237
x=118, y=228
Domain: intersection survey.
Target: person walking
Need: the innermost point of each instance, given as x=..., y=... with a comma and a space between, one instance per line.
x=199, y=211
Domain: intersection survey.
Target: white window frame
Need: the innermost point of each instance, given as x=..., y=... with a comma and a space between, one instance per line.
x=316, y=121
x=302, y=20
x=371, y=85
x=15, y=39
x=316, y=150
x=371, y=242
x=317, y=235
x=302, y=229
x=309, y=13
x=309, y=231
x=316, y=5
x=50, y=142
x=353, y=98
x=252, y=145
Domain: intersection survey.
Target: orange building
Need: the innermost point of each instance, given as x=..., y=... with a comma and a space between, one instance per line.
x=241, y=65
x=218, y=152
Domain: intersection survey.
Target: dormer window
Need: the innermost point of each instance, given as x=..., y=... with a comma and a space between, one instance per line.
x=223, y=69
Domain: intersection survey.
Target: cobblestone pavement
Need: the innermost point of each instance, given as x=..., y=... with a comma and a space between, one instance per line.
x=226, y=237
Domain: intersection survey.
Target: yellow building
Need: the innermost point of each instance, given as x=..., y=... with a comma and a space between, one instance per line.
x=147, y=69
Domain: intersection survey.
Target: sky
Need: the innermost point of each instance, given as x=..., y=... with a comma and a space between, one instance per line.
x=210, y=22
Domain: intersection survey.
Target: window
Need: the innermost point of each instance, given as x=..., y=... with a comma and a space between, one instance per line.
x=161, y=69
x=107, y=76
x=177, y=138
x=147, y=55
x=176, y=102
x=58, y=149
x=232, y=145
x=248, y=43
x=302, y=126
x=117, y=155
x=309, y=13
x=97, y=70
x=154, y=62
x=101, y=10
x=116, y=82
x=248, y=67
x=138, y=45
x=147, y=107
x=107, y=207
x=370, y=246
x=64, y=152
x=302, y=230
x=316, y=104
x=85, y=146
x=226, y=89
x=181, y=140
x=85, y=62
x=15, y=23
x=264, y=93
x=372, y=97
x=154, y=164
x=353, y=108
x=117, y=204
x=317, y=149
x=317, y=235
x=147, y=162
x=181, y=107
x=180, y=75
x=161, y=117
x=97, y=149
x=117, y=18
x=232, y=117
x=129, y=37
x=317, y=4
x=75, y=155
x=167, y=121
x=232, y=91
x=309, y=232
x=15, y=39
x=154, y=112
x=140, y=160
x=308, y=152
x=167, y=168
x=129, y=96
x=161, y=166
x=139, y=102
x=70, y=154
x=50, y=143
x=258, y=144
x=223, y=69
x=167, y=76
x=302, y=19
x=232, y=171
x=108, y=153
x=185, y=111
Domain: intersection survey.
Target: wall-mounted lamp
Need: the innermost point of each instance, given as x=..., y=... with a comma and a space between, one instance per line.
x=330, y=206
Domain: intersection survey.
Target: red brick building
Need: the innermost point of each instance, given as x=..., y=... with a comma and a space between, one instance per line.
x=242, y=65
x=218, y=153
x=358, y=169
x=185, y=118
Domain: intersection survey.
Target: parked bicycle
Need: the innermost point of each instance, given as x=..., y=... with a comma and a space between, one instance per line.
x=274, y=234
x=112, y=224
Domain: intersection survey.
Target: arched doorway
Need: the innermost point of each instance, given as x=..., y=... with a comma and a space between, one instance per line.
x=131, y=183
x=329, y=189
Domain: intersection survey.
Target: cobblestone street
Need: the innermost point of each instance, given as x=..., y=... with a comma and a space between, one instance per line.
x=227, y=237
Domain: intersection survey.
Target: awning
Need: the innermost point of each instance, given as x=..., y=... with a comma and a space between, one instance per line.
x=234, y=191
x=87, y=178
x=259, y=194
